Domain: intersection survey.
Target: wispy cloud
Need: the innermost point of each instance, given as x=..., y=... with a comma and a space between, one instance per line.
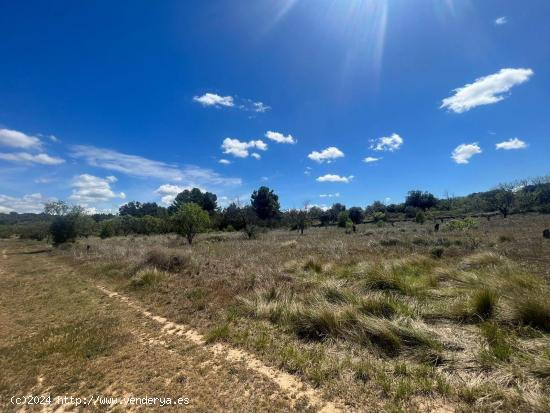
x=224, y=161
x=241, y=149
x=139, y=166
x=513, y=143
x=486, y=90
x=24, y=157
x=28, y=203
x=326, y=155
x=90, y=189
x=371, y=159
x=218, y=101
x=335, y=178
x=256, y=156
x=280, y=138
x=499, y=21
x=462, y=153
x=335, y=195
x=387, y=143
x=16, y=139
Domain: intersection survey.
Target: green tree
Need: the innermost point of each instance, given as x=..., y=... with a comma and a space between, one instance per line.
x=335, y=211
x=419, y=199
x=356, y=215
x=343, y=219
x=266, y=203
x=56, y=208
x=190, y=220
x=206, y=200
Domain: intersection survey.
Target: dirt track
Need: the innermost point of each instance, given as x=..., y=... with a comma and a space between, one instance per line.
x=148, y=355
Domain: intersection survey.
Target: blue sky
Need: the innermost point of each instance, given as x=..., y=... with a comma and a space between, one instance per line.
x=105, y=102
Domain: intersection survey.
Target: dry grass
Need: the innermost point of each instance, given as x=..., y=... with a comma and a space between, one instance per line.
x=375, y=317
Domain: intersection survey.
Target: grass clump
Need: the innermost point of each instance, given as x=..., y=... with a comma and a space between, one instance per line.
x=313, y=265
x=534, y=312
x=380, y=278
x=484, y=303
x=218, y=333
x=498, y=344
x=146, y=277
x=169, y=260
x=379, y=306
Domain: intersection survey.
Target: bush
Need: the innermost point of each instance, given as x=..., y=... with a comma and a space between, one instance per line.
x=461, y=224
x=107, y=230
x=343, y=219
x=169, y=260
x=63, y=229
x=420, y=217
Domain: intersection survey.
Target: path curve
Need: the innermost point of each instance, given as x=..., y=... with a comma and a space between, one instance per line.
x=288, y=383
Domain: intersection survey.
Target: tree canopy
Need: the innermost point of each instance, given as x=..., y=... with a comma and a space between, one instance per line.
x=266, y=203
x=206, y=200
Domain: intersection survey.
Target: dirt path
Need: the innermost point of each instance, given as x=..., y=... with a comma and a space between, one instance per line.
x=288, y=383
x=63, y=335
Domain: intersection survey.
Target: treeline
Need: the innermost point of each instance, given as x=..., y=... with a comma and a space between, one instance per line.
x=194, y=211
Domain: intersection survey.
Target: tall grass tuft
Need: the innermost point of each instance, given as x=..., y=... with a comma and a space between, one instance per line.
x=169, y=260
x=484, y=303
x=534, y=312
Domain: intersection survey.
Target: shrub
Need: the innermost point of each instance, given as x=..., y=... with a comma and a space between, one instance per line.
x=461, y=224
x=107, y=230
x=343, y=219
x=63, y=229
x=420, y=217
x=484, y=303
x=169, y=260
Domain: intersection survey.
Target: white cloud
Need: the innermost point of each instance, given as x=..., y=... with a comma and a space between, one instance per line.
x=307, y=171
x=143, y=167
x=224, y=161
x=335, y=195
x=486, y=90
x=16, y=139
x=91, y=189
x=329, y=155
x=513, y=143
x=240, y=149
x=212, y=99
x=499, y=21
x=169, y=192
x=387, y=143
x=28, y=203
x=41, y=158
x=247, y=105
x=279, y=137
x=256, y=155
x=462, y=153
x=335, y=178
x=370, y=159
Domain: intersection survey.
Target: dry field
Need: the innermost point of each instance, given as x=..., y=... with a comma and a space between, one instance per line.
x=390, y=318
